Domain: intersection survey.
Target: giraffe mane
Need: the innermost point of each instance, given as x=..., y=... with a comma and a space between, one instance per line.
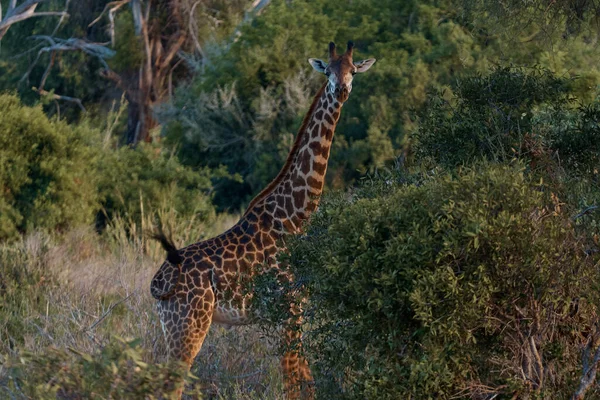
x=289, y=160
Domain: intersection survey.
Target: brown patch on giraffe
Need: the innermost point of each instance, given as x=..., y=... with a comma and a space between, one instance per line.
x=324, y=130
x=315, y=133
x=239, y=253
x=297, y=180
x=316, y=148
x=228, y=254
x=297, y=221
x=266, y=221
x=280, y=213
x=251, y=217
x=329, y=136
x=298, y=196
x=314, y=183
x=289, y=226
x=319, y=168
x=250, y=249
x=328, y=119
x=267, y=240
x=229, y=265
x=289, y=206
x=305, y=164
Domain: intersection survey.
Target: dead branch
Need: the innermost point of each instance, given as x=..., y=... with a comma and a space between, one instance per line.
x=63, y=98
x=193, y=28
x=585, y=211
x=55, y=44
x=97, y=50
x=589, y=364
x=112, y=9
x=25, y=11
x=110, y=310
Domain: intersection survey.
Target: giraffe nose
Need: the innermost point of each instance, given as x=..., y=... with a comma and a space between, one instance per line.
x=342, y=92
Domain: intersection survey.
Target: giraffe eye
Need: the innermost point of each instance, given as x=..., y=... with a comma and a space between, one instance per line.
x=327, y=72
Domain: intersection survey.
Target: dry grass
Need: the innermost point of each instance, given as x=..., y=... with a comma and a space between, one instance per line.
x=90, y=288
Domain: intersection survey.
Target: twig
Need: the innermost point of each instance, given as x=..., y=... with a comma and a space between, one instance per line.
x=113, y=7
x=584, y=212
x=55, y=96
x=110, y=309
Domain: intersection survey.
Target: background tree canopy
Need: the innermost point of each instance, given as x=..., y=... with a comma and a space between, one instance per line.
x=456, y=255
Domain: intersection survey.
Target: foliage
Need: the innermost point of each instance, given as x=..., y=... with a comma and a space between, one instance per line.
x=54, y=175
x=46, y=177
x=420, y=46
x=509, y=113
x=117, y=371
x=435, y=286
x=134, y=181
x=73, y=73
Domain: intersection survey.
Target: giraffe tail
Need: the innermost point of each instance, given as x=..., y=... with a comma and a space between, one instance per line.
x=173, y=255
x=167, y=278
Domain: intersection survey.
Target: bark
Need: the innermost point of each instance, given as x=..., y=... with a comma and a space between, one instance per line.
x=162, y=31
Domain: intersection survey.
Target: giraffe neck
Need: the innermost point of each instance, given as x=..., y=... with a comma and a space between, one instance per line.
x=294, y=194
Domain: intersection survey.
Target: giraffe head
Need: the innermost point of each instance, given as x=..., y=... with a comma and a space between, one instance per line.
x=340, y=70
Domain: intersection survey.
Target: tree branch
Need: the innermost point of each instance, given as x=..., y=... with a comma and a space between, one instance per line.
x=112, y=8
x=589, y=364
x=25, y=11
x=55, y=96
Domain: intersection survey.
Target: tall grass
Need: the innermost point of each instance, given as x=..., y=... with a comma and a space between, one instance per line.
x=79, y=290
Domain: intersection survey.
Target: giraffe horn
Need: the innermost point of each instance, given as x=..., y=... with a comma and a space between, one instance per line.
x=331, y=50
x=350, y=47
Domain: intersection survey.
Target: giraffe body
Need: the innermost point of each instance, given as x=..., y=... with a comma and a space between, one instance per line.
x=204, y=282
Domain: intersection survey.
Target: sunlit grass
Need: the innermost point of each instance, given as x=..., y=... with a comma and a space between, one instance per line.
x=80, y=290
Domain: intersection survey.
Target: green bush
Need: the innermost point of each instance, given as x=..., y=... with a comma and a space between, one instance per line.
x=529, y=114
x=116, y=372
x=54, y=175
x=134, y=181
x=46, y=177
x=420, y=46
x=439, y=286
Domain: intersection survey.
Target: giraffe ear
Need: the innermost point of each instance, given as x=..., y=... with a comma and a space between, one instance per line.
x=362, y=66
x=318, y=65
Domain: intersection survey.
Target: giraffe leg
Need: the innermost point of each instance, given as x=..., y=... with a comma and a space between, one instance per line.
x=186, y=319
x=298, y=380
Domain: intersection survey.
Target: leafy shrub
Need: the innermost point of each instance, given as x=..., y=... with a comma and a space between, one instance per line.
x=46, y=177
x=134, y=181
x=54, y=175
x=509, y=113
x=117, y=371
x=473, y=285
x=420, y=46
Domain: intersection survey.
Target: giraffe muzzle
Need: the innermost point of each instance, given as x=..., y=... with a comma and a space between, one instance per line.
x=342, y=93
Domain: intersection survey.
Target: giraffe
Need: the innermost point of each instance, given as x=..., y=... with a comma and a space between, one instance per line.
x=200, y=284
